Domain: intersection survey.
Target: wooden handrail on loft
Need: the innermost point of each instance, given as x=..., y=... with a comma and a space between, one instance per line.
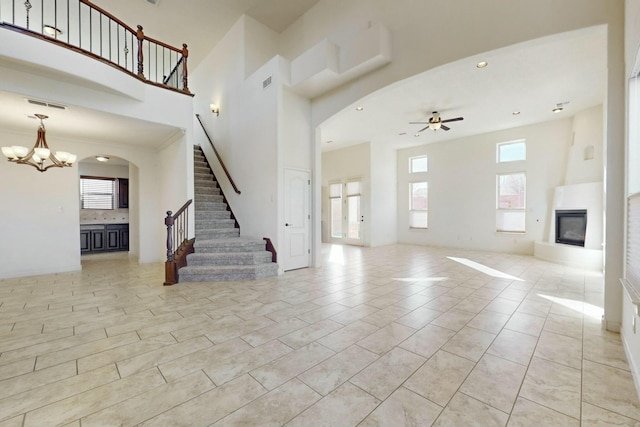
x=177, y=233
x=100, y=35
x=224, y=168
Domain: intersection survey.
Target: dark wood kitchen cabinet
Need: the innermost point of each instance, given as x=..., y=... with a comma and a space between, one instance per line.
x=123, y=193
x=104, y=238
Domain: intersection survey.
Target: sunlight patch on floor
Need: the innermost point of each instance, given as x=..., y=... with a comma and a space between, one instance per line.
x=585, y=308
x=420, y=279
x=484, y=269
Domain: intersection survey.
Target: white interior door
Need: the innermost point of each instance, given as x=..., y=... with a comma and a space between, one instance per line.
x=297, y=220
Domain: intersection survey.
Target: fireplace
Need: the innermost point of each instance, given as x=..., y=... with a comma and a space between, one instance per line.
x=571, y=226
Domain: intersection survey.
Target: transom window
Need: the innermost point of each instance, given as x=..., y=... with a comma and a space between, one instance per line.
x=511, y=151
x=418, y=164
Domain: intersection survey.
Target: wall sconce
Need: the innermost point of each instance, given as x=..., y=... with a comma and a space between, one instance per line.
x=215, y=109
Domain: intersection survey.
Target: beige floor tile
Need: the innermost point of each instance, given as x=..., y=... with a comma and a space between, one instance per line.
x=489, y=321
x=14, y=369
x=13, y=422
x=281, y=370
x=514, y=346
x=470, y=343
x=605, y=349
x=293, y=311
x=386, y=338
x=162, y=355
x=560, y=349
x=350, y=334
x=38, y=397
x=610, y=388
x=202, y=359
x=468, y=412
x=564, y=325
x=322, y=313
x=414, y=301
x=554, y=386
x=310, y=333
x=453, y=319
x=225, y=370
x=211, y=406
x=443, y=303
x=385, y=316
x=403, y=408
x=345, y=406
x=538, y=308
x=354, y=314
x=439, y=379
x=144, y=323
x=271, y=332
x=594, y=416
x=75, y=407
x=274, y=408
x=473, y=304
x=419, y=317
x=427, y=340
x=384, y=375
x=495, y=381
x=33, y=380
x=526, y=323
x=503, y=306
x=171, y=326
x=233, y=331
x=529, y=414
x=147, y=405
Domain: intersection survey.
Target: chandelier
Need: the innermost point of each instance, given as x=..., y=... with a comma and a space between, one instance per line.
x=40, y=152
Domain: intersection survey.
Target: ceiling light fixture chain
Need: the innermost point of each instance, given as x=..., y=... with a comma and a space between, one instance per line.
x=40, y=152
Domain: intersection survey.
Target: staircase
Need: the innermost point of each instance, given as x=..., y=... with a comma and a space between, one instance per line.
x=220, y=253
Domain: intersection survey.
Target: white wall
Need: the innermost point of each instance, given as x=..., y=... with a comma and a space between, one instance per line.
x=462, y=188
x=383, y=215
x=588, y=134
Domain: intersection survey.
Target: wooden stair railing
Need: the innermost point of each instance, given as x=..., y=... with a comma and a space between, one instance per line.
x=224, y=168
x=178, y=243
x=100, y=35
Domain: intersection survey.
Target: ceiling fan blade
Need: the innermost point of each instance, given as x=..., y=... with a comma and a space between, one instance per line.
x=418, y=123
x=443, y=127
x=424, y=128
x=453, y=120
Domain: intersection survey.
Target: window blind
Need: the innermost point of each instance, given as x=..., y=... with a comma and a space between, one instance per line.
x=97, y=193
x=633, y=242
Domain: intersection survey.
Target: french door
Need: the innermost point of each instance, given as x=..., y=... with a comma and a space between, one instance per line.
x=345, y=200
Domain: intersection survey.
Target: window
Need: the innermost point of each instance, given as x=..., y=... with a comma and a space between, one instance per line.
x=511, y=196
x=97, y=193
x=418, y=205
x=418, y=164
x=511, y=151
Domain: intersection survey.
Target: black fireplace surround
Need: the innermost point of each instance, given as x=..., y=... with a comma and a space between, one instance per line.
x=571, y=226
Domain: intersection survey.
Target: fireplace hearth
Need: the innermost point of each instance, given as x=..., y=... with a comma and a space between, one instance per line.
x=571, y=226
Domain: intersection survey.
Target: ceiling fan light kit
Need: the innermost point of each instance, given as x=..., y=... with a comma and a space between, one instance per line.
x=435, y=122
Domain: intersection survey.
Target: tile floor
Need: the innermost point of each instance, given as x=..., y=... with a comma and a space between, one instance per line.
x=391, y=336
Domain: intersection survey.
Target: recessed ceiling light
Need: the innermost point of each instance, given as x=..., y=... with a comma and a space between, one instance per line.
x=557, y=109
x=416, y=135
x=102, y=158
x=402, y=133
x=359, y=108
x=482, y=64
x=516, y=113
x=328, y=142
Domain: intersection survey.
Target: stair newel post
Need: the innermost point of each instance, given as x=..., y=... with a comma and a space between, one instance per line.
x=140, y=36
x=170, y=270
x=185, y=71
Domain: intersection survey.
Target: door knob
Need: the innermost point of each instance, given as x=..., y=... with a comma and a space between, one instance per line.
x=286, y=224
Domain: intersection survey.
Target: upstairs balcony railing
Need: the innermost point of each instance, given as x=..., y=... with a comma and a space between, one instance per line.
x=82, y=26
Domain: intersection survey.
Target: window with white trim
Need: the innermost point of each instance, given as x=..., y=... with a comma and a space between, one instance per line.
x=511, y=151
x=97, y=193
x=511, y=202
x=418, y=164
x=418, y=204
x=335, y=206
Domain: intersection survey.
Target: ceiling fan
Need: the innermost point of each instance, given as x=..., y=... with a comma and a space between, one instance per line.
x=435, y=122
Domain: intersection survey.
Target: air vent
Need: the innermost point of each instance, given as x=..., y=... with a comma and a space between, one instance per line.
x=266, y=83
x=46, y=104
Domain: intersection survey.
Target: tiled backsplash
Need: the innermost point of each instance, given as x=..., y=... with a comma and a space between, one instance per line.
x=99, y=216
